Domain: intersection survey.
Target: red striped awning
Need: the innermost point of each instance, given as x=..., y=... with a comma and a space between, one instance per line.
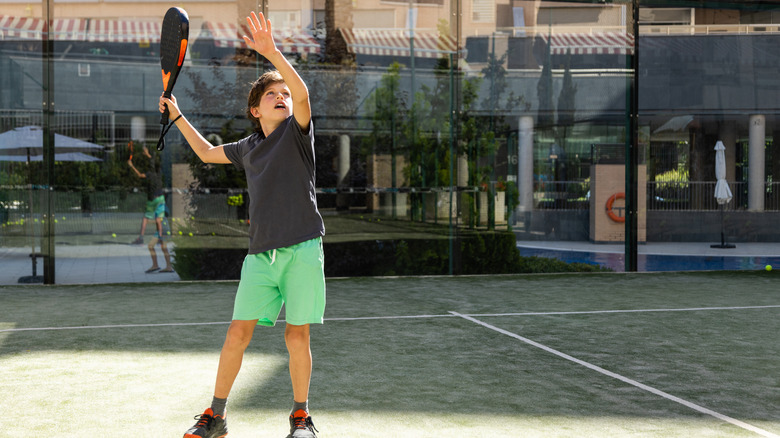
x=24, y=28
x=601, y=43
x=288, y=40
x=396, y=42
x=124, y=31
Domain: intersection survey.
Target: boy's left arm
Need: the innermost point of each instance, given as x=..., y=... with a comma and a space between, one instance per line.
x=139, y=174
x=262, y=41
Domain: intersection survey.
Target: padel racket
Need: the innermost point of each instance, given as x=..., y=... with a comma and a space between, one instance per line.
x=173, y=47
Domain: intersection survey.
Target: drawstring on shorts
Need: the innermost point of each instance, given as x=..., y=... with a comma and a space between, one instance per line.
x=273, y=257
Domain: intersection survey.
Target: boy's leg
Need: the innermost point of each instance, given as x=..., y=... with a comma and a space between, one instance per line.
x=158, y=225
x=155, y=266
x=140, y=239
x=237, y=339
x=167, y=255
x=296, y=338
x=143, y=226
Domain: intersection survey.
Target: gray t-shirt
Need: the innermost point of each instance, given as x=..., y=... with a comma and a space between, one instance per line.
x=280, y=177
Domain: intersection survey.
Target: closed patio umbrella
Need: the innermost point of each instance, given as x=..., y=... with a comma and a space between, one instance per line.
x=722, y=191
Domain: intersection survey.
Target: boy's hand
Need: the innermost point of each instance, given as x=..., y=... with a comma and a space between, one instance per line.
x=262, y=39
x=173, y=107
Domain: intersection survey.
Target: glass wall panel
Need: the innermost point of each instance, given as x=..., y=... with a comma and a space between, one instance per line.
x=445, y=132
x=452, y=137
x=708, y=105
x=23, y=180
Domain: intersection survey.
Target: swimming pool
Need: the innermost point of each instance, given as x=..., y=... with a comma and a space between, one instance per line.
x=657, y=262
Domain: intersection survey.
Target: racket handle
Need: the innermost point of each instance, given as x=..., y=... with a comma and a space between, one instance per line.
x=165, y=115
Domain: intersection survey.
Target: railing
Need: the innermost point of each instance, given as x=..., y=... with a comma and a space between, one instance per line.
x=661, y=196
x=687, y=196
x=562, y=195
x=644, y=29
x=692, y=196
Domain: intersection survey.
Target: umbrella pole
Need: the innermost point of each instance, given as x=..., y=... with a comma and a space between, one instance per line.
x=34, y=278
x=723, y=243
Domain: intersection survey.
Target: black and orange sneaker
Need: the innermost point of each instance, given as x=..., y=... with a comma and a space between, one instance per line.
x=301, y=425
x=208, y=426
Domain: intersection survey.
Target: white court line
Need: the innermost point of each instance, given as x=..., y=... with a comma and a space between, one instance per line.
x=596, y=312
x=82, y=327
x=647, y=388
x=372, y=318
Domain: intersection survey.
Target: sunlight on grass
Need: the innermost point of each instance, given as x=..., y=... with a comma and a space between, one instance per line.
x=116, y=389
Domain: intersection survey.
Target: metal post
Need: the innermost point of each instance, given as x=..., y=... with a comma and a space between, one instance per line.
x=632, y=149
x=47, y=55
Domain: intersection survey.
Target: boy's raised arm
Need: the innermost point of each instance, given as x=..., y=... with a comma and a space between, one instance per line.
x=262, y=41
x=207, y=152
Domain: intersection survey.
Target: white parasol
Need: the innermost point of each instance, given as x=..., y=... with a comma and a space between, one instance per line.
x=722, y=190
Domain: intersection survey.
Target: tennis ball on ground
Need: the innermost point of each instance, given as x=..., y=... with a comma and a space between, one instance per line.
x=189, y=234
x=768, y=268
x=113, y=234
x=180, y=233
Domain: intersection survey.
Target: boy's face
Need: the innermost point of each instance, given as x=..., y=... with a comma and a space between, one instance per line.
x=275, y=104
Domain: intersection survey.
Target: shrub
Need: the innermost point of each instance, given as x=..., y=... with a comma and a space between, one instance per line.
x=481, y=253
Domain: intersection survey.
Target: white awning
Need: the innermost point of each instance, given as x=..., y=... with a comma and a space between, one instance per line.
x=124, y=31
x=397, y=42
x=287, y=39
x=599, y=43
x=24, y=28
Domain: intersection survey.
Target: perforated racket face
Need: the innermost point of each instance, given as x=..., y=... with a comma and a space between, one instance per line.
x=173, y=46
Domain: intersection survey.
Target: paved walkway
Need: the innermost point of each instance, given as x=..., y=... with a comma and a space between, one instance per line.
x=87, y=264
x=666, y=248
x=657, y=257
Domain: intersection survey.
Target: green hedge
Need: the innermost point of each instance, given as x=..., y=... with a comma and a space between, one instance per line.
x=484, y=253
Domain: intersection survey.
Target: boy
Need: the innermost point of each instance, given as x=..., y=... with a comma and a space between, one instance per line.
x=155, y=209
x=285, y=260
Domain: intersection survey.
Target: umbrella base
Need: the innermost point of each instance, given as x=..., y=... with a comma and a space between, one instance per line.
x=29, y=279
x=723, y=245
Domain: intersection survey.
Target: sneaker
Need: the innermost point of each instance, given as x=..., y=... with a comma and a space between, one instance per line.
x=301, y=425
x=208, y=426
x=138, y=241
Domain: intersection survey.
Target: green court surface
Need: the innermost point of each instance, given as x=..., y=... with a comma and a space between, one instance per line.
x=568, y=355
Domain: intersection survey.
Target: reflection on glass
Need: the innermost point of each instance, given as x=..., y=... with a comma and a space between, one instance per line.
x=446, y=131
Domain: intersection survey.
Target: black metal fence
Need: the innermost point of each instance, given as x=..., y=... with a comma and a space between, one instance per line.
x=661, y=196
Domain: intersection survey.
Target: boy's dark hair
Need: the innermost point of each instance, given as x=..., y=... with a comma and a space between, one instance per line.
x=256, y=93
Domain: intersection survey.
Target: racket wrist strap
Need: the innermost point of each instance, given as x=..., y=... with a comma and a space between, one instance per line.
x=165, y=129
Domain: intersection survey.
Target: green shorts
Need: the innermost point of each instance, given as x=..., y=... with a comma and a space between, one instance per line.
x=155, y=208
x=293, y=276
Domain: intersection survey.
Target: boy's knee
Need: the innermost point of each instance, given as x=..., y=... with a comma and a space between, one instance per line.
x=238, y=336
x=297, y=336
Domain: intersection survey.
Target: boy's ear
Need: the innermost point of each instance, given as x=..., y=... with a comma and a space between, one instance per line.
x=255, y=111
